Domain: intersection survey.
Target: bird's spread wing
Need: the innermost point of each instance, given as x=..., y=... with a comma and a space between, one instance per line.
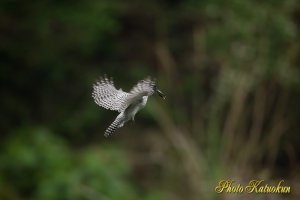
x=142, y=88
x=107, y=96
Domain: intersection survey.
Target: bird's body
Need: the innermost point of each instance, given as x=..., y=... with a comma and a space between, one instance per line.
x=134, y=107
x=128, y=104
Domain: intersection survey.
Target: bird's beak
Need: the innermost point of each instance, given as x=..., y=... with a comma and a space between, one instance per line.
x=161, y=94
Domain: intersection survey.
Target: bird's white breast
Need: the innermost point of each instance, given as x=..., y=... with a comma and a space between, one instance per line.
x=135, y=107
x=141, y=104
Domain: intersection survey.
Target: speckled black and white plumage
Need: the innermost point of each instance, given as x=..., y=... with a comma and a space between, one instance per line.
x=128, y=104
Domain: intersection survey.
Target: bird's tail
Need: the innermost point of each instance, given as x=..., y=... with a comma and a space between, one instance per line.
x=112, y=128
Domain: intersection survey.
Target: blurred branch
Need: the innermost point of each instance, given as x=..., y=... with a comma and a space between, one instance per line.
x=277, y=128
x=166, y=60
x=199, y=46
x=232, y=119
x=259, y=106
x=192, y=159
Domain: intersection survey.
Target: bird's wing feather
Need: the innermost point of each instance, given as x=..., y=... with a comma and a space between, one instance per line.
x=142, y=88
x=107, y=96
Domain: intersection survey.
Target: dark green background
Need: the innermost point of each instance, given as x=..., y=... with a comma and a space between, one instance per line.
x=230, y=70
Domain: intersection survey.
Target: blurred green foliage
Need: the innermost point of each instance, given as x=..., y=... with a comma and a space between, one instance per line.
x=39, y=165
x=230, y=70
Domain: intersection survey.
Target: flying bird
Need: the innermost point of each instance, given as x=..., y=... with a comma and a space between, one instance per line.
x=126, y=103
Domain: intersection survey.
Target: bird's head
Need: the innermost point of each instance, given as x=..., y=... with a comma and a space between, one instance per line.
x=160, y=93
